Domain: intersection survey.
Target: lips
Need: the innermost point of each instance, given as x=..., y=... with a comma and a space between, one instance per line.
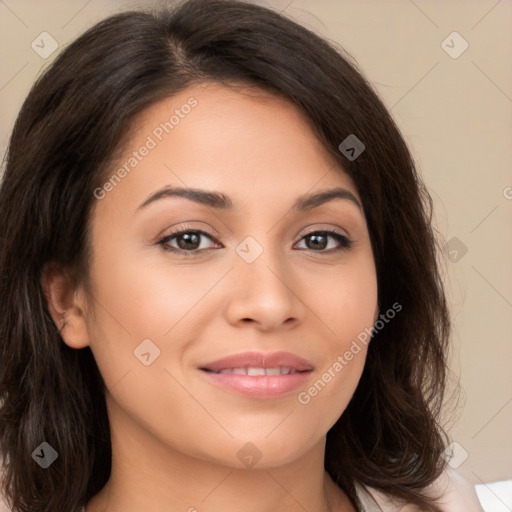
x=259, y=375
x=255, y=371
x=284, y=361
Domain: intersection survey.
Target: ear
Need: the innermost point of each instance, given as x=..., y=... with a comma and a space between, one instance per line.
x=66, y=305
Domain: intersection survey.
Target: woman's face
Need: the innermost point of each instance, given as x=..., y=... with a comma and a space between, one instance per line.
x=247, y=279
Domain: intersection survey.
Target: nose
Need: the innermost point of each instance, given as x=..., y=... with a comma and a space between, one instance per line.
x=265, y=293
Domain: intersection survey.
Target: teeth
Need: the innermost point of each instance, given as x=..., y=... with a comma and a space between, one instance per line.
x=255, y=372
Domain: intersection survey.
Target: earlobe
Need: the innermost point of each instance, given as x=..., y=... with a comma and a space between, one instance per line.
x=66, y=312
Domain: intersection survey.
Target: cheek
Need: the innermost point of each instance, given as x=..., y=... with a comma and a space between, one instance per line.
x=346, y=305
x=344, y=300
x=141, y=295
x=143, y=290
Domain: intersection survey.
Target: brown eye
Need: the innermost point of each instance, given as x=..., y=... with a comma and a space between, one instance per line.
x=318, y=241
x=186, y=240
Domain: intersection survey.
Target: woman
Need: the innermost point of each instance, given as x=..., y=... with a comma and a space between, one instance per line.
x=219, y=279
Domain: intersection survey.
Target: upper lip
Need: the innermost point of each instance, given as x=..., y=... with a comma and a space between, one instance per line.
x=260, y=360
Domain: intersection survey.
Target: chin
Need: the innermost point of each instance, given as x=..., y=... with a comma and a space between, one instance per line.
x=266, y=451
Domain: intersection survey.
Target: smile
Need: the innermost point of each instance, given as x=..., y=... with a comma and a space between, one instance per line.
x=258, y=375
x=253, y=372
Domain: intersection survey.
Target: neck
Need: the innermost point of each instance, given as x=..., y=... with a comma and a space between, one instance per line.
x=151, y=476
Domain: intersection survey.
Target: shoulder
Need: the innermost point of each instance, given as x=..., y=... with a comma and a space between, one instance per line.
x=455, y=493
x=3, y=505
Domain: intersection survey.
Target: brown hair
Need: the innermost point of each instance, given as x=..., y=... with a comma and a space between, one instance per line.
x=70, y=126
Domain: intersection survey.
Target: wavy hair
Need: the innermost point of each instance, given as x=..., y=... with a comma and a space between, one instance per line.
x=70, y=127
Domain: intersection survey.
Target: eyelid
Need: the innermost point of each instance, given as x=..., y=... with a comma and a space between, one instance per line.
x=189, y=227
x=329, y=229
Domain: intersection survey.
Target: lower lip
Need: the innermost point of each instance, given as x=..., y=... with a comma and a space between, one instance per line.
x=259, y=386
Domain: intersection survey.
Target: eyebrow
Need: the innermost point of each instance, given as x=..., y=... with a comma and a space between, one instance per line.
x=220, y=201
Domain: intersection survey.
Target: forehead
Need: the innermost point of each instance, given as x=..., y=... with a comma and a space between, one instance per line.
x=245, y=142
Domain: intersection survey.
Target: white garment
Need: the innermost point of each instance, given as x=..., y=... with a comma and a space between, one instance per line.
x=495, y=496
x=457, y=495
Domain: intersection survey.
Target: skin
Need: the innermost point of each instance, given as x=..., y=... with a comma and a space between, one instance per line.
x=175, y=436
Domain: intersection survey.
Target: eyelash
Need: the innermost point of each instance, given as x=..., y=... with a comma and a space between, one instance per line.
x=345, y=242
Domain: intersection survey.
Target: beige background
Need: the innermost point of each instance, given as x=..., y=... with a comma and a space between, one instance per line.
x=455, y=113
